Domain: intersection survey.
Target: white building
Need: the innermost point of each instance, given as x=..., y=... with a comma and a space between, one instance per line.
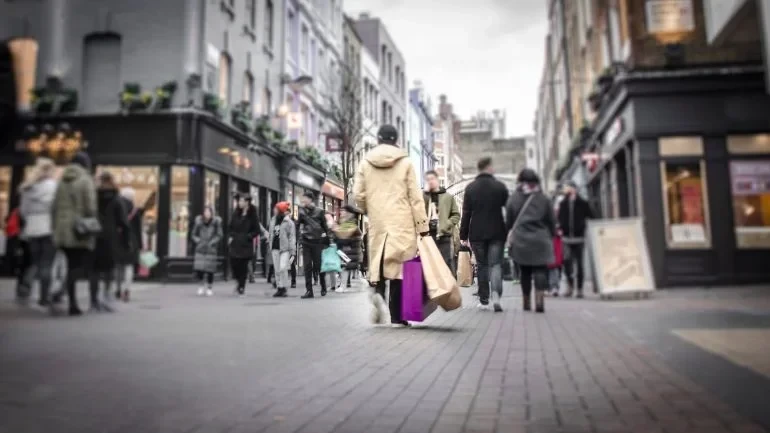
x=370, y=82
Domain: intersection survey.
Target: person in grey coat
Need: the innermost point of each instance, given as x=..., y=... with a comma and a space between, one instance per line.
x=283, y=245
x=207, y=233
x=531, y=226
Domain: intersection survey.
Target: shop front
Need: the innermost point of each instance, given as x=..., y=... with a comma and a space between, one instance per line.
x=187, y=160
x=691, y=156
x=332, y=197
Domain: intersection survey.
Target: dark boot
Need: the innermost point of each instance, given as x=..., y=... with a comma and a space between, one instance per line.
x=308, y=295
x=570, y=289
x=579, y=294
x=527, y=303
x=280, y=293
x=540, y=301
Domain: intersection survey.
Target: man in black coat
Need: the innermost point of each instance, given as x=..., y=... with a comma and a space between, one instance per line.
x=482, y=226
x=314, y=236
x=574, y=212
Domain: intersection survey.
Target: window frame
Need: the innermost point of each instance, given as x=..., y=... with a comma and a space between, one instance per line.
x=695, y=245
x=269, y=21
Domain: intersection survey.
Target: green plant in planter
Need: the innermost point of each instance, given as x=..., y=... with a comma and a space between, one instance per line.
x=68, y=100
x=240, y=116
x=42, y=101
x=213, y=104
x=164, y=95
x=132, y=99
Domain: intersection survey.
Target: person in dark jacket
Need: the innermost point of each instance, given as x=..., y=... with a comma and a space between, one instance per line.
x=206, y=235
x=532, y=226
x=314, y=236
x=443, y=217
x=112, y=244
x=347, y=236
x=75, y=201
x=483, y=227
x=127, y=263
x=574, y=212
x=243, y=228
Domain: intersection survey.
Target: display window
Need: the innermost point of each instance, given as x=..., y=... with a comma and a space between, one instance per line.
x=750, y=186
x=686, y=204
x=179, y=215
x=213, y=189
x=144, y=181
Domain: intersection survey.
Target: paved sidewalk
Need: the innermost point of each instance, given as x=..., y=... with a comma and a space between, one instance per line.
x=173, y=362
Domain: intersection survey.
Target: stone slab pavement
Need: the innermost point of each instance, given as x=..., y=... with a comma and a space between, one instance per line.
x=171, y=362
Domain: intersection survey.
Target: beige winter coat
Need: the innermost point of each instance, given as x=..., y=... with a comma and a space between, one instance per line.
x=385, y=188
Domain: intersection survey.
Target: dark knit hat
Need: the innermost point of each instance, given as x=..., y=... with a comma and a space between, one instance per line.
x=309, y=194
x=527, y=175
x=82, y=159
x=387, y=134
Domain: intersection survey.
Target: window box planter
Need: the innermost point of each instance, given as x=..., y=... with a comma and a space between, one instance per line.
x=164, y=96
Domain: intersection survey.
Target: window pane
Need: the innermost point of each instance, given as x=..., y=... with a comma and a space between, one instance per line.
x=144, y=181
x=751, y=203
x=179, y=217
x=684, y=191
x=213, y=191
x=5, y=190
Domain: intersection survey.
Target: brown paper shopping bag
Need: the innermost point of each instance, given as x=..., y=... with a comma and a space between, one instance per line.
x=464, y=269
x=442, y=286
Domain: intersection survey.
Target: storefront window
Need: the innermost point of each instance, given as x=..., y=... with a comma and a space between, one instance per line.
x=5, y=197
x=144, y=182
x=750, y=182
x=686, y=205
x=213, y=191
x=179, y=217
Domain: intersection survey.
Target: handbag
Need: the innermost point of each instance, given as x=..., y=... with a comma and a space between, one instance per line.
x=415, y=304
x=148, y=259
x=85, y=227
x=509, y=240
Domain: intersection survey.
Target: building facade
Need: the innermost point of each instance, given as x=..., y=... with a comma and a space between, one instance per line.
x=421, y=135
x=370, y=83
x=484, y=135
x=216, y=56
x=393, y=105
x=678, y=130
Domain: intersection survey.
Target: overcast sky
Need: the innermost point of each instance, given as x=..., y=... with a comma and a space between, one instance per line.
x=482, y=54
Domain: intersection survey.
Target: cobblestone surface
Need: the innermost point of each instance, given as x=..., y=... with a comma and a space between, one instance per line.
x=173, y=362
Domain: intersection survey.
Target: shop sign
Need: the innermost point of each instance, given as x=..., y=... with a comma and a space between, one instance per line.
x=613, y=132
x=670, y=16
x=619, y=250
x=294, y=120
x=750, y=177
x=332, y=190
x=306, y=180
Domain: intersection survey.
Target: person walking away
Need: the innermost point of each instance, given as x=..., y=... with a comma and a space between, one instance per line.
x=126, y=264
x=112, y=243
x=206, y=234
x=314, y=235
x=37, y=195
x=574, y=212
x=348, y=236
x=283, y=246
x=443, y=217
x=532, y=227
x=386, y=190
x=483, y=229
x=243, y=229
x=75, y=206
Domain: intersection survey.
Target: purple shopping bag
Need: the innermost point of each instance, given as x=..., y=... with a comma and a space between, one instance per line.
x=415, y=304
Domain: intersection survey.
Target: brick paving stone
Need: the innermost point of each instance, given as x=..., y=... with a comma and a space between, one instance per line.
x=173, y=362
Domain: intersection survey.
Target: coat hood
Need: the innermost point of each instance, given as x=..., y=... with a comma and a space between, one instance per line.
x=72, y=173
x=385, y=156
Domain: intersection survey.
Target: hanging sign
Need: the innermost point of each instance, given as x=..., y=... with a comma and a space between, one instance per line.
x=670, y=16
x=294, y=120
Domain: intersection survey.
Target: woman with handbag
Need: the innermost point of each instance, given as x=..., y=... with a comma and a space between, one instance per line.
x=206, y=234
x=75, y=223
x=531, y=226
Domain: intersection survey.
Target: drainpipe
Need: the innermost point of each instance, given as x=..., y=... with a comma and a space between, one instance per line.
x=565, y=51
x=194, y=47
x=56, y=21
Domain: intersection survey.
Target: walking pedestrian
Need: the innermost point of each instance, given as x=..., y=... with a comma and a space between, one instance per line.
x=386, y=189
x=127, y=264
x=283, y=246
x=243, y=229
x=532, y=227
x=348, y=236
x=314, y=235
x=483, y=229
x=574, y=212
x=113, y=242
x=75, y=223
x=37, y=195
x=206, y=234
x=443, y=216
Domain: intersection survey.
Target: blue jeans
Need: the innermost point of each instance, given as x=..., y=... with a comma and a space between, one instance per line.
x=489, y=258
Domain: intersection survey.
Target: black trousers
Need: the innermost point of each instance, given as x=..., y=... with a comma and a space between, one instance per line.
x=97, y=276
x=293, y=273
x=574, y=260
x=311, y=261
x=78, y=267
x=394, y=300
x=240, y=268
x=444, y=245
x=209, y=276
x=41, y=254
x=538, y=274
x=270, y=273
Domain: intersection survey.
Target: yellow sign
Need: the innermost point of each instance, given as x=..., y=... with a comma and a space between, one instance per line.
x=620, y=256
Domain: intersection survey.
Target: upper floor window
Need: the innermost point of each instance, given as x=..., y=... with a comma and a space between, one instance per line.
x=398, y=78
x=304, y=43
x=224, y=78
x=248, y=90
x=269, y=23
x=384, y=59
x=290, y=24
x=251, y=12
x=267, y=102
x=390, y=67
